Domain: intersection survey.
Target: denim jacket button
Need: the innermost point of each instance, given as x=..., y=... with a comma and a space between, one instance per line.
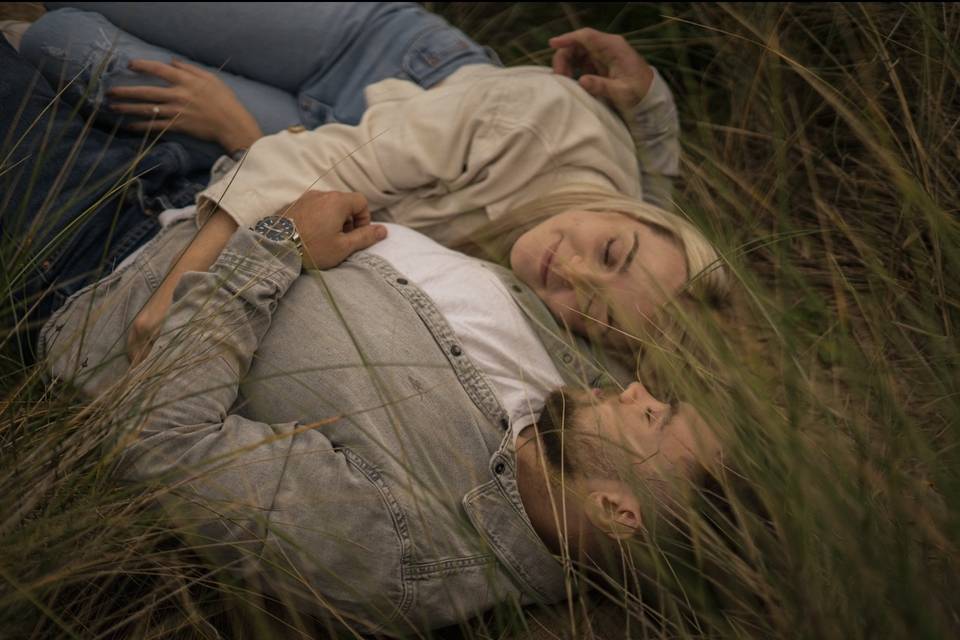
x=504, y=423
x=456, y=350
x=517, y=288
x=401, y=281
x=567, y=358
x=499, y=468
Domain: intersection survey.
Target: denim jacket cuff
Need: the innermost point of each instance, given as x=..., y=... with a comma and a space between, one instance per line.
x=250, y=256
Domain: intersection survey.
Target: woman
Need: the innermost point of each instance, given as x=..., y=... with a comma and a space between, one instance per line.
x=516, y=156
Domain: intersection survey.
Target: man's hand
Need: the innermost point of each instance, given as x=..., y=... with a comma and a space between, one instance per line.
x=197, y=103
x=332, y=226
x=611, y=67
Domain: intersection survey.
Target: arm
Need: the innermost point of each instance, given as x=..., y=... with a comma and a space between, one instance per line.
x=617, y=73
x=327, y=240
x=655, y=129
x=175, y=410
x=179, y=396
x=426, y=139
x=397, y=147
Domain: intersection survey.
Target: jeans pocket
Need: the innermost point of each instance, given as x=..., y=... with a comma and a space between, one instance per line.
x=315, y=113
x=430, y=54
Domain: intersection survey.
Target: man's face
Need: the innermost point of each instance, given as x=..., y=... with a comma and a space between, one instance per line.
x=636, y=435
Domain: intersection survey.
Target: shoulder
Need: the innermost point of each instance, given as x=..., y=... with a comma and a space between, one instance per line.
x=536, y=98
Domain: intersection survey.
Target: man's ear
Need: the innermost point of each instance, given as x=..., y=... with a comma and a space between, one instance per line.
x=615, y=511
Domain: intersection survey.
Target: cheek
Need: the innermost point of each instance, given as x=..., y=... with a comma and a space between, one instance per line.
x=521, y=256
x=563, y=307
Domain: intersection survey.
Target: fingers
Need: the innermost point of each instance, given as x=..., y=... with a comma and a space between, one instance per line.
x=364, y=237
x=599, y=51
x=144, y=94
x=161, y=70
x=360, y=211
x=596, y=86
x=350, y=207
x=189, y=68
x=572, y=38
x=146, y=110
x=356, y=204
x=595, y=42
x=358, y=232
x=563, y=61
x=333, y=225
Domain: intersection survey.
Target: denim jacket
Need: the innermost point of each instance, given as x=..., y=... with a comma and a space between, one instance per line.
x=338, y=448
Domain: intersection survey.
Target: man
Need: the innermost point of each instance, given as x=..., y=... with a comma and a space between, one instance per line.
x=328, y=438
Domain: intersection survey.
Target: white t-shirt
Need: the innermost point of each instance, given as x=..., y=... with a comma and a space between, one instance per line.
x=480, y=310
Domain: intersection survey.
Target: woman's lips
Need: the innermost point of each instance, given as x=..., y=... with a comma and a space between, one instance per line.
x=547, y=260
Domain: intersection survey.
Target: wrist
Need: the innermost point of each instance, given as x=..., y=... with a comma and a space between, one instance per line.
x=240, y=137
x=279, y=228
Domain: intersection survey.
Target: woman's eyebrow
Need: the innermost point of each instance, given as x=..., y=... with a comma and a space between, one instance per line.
x=632, y=254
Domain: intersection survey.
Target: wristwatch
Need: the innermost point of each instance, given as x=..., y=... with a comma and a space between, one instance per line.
x=279, y=229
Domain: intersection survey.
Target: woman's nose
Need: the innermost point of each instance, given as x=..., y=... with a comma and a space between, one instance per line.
x=574, y=271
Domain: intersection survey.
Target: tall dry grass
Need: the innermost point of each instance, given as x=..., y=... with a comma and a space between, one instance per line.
x=821, y=145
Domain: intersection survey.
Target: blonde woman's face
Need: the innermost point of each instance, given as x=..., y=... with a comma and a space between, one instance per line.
x=603, y=274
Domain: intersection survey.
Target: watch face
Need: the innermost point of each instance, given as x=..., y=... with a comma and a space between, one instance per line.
x=276, y=228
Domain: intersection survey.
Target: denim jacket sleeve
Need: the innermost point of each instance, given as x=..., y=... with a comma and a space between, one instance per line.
x=185, y=387
x=244, y=491
x=654, y=128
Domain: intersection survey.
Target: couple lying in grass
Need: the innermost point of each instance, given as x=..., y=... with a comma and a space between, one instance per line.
x=392, y=425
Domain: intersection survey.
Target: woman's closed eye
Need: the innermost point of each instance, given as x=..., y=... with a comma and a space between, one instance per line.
x=608, y=257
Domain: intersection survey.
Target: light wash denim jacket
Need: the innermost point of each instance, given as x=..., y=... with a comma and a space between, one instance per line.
x=338, y=449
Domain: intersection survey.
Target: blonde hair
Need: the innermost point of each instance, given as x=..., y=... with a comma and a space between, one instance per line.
x=707, y=280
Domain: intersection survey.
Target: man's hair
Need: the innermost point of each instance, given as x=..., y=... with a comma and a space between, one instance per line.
x=550, y=428
x=569, y=448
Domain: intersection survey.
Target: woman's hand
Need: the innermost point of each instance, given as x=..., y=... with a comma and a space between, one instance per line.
x=611, y=67
x=144, y=329
x=197, y=103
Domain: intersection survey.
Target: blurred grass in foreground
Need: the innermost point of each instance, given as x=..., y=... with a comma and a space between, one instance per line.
x=821, y=145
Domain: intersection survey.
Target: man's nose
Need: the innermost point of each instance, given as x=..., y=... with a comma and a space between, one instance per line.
x=635, y=392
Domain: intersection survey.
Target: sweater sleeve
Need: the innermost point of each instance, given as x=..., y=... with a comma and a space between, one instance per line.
x=654, y=128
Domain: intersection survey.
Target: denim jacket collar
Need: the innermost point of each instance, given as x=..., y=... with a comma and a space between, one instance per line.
x=577, y=361
x=497, y=513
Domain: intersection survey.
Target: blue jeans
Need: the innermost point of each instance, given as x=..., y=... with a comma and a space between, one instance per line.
x=289, y=63
x=75, y=200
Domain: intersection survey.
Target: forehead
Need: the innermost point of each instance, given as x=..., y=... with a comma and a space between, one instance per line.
x=588, y=222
